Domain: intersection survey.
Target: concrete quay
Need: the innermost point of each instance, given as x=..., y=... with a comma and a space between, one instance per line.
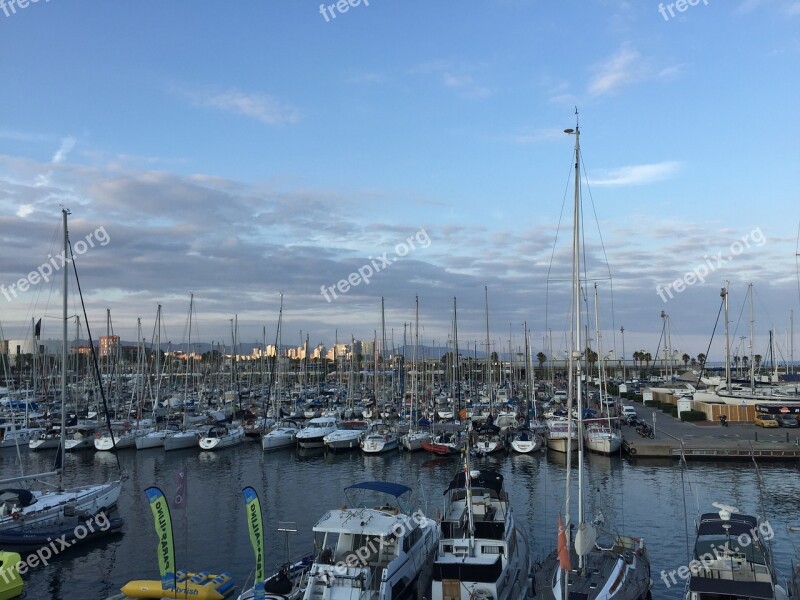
x=706, y=439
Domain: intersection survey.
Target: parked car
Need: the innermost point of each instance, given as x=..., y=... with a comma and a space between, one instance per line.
x=766, y=421
x=786, y=421
x=628, y=411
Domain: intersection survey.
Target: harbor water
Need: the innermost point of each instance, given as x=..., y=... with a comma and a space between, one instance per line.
x=656, y=500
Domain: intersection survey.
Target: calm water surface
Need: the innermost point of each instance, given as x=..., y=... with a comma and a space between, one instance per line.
x=639, y=498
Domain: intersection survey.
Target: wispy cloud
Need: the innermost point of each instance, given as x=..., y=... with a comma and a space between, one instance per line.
x=455, y=77
x=621, y=69
x=262, y=107
x=637, y=174
x=67, y=144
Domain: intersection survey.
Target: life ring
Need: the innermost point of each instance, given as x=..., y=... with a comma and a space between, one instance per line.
x=631, y=450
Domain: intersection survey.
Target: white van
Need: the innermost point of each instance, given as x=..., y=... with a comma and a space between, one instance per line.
x=628, y=411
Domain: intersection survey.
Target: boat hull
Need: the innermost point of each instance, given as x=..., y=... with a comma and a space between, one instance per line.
x=181, y=440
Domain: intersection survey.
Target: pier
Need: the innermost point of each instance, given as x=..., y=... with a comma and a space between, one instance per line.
x=706, y=439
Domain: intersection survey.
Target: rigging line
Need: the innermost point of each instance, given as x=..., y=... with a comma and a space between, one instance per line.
x=555, y=243
x=94, y=354
x=797, y=260
x=684, y=467
x=716, y=323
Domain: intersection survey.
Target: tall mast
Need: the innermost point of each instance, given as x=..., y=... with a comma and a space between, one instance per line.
x=752, y=365
x=488, y=347
x=61, y=448
x=724, y=294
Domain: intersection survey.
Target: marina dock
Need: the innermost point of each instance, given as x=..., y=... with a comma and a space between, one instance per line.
x=705, y=439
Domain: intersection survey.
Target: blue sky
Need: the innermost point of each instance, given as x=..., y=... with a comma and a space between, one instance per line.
x=241, y=149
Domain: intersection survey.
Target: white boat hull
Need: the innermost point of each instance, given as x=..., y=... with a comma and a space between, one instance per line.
x=412, y=442
x=151, y=440
x=233, y=438
x=181, y=440
x=277, y=439
x=50, y=505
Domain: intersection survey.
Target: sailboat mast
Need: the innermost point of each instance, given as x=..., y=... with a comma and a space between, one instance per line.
x=724, y=294
x=61, y=449
x=488, y=348
x=752, y=365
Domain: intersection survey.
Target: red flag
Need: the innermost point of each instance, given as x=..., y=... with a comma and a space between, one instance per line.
x=563, y=550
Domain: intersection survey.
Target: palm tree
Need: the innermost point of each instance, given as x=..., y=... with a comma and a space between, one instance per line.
x=693, y=362
x=591, y=358
x=745, y=360
x=757, y=361
x=685, y=358
x=542, y=358
x=736, y=360
x=647, y=358
x=701, y=359
x=637, y=357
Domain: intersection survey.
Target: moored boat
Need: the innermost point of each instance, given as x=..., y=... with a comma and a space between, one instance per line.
x=724, y=567
x=370, y=552
x=347, y=437
x=283, y=435
x=482, y=552
x=313, y=435
x=219, y=437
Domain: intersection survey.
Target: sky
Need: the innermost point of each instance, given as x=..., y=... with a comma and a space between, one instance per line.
x=243, y=150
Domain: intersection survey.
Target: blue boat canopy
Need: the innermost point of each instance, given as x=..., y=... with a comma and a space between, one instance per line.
x=385, y=487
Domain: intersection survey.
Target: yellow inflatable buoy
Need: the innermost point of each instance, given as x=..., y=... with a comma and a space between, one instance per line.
x=200, y=586
x=11, y=583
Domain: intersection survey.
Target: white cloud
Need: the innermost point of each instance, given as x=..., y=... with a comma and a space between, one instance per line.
x=67, y=144
x=623, y=68
x=24, y=210
x=637, y=174
x=262, y=107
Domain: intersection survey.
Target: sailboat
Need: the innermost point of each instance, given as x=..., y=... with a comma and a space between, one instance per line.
x=585, y=565
x=600, y=435
x=18, y=506
x=185, y=438
x=414, y=438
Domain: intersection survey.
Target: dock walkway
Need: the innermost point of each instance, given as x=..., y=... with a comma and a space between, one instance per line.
x=709, y=440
